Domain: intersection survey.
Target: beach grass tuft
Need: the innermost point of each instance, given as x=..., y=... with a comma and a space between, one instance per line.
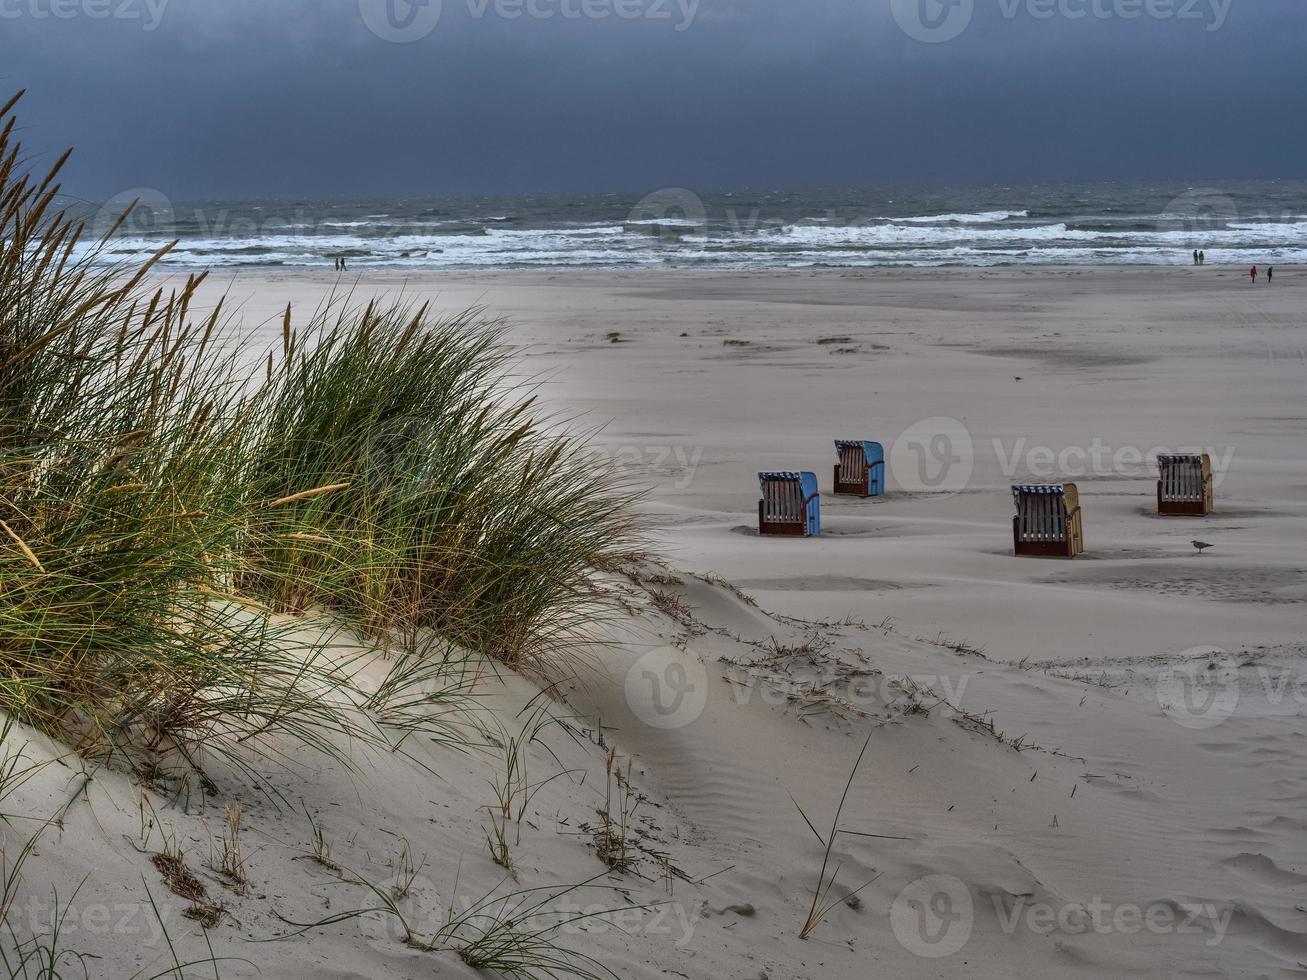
x=213, y=551
x=171, y=513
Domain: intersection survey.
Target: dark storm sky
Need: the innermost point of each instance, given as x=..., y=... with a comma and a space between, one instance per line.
x=299, y=98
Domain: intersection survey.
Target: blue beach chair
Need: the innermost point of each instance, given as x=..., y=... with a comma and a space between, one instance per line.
x=790, y=504
x=861, y=468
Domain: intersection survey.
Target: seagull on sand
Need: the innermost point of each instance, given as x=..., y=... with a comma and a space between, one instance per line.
x=1201, y=546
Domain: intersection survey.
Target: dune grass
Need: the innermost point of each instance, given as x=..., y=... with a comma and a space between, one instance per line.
x=195, y=561
x=166, y=520
x=456, y=508
x=120, y=511
x=516, y=935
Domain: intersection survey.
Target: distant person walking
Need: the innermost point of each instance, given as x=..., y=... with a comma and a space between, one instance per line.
x=1195, y=256
x=1254, y=275
x=1270, y=274
x=1202, y=257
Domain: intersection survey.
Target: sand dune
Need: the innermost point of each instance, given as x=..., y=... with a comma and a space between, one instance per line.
x=1087, y=769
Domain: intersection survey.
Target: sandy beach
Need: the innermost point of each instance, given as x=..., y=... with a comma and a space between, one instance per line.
x=1087, y=768
x=433, y=444
x=715, y=377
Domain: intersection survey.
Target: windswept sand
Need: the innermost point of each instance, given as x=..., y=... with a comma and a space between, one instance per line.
x=1129, y=361
x=1067, y=812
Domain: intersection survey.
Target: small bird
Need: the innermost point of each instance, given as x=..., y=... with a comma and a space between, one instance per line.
x=1201, y=546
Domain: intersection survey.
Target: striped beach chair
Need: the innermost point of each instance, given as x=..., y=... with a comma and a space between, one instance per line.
x=1048, y=522
x=790, y=504
x=861, y=468
x=1184, y=486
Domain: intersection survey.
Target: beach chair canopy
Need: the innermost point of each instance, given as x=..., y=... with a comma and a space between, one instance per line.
x=1184, y=478
x=1057, y=489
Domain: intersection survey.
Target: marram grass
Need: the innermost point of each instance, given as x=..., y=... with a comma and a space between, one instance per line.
x=165, y=518
x=452, y=506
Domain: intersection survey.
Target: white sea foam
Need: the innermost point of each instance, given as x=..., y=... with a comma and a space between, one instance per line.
x=976, y=218
x=982, y=238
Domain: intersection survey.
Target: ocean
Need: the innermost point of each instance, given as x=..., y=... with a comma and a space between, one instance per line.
x=1239, y=222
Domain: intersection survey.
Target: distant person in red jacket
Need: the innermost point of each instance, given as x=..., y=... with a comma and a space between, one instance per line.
x=1254, y=275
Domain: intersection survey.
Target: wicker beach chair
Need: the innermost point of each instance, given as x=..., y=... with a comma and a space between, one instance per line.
x=1184, y=486
x=1048, y=521
x=790, y=504
x=861, y=468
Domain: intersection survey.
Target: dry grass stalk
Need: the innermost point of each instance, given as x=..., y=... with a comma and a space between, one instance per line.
x=183, y=883
x=307, y=494
x=28, y=553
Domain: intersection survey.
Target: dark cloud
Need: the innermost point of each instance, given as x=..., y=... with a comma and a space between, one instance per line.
x=299, y=98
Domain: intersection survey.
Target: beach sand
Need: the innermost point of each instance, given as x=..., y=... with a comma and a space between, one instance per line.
x=716, y=377
x=1048, y=801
